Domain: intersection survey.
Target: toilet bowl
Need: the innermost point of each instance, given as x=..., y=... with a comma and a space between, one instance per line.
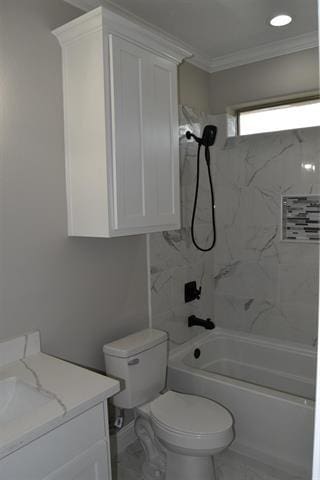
x=180, y=433
x=191, y=430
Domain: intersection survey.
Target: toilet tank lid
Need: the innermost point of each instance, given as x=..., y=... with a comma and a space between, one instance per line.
x=135, y=343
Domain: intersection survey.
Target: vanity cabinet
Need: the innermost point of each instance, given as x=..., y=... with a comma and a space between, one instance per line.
x=90, y=465
x=76, y=450
x=121, y=126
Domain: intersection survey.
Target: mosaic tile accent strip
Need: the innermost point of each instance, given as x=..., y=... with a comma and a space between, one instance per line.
x=301, y=218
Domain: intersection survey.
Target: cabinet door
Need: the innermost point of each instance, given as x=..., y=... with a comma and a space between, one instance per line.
x=163, y=143
x=145, y=161
x=77, y=447
x=93, y=464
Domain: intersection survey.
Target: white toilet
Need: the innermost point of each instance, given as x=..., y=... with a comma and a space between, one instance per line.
x=179, y=433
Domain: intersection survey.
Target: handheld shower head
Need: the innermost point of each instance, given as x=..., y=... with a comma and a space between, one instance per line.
x=208, y=136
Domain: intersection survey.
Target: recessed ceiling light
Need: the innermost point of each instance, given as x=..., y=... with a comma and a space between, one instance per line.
x=280, y=20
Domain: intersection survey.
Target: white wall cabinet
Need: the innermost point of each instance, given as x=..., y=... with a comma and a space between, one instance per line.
x=121, y=126
x=76, y=450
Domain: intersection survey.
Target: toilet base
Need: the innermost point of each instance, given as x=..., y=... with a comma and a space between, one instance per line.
x=155, y=463
x=184, y=467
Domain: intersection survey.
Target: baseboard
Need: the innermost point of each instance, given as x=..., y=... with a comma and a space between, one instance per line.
x=122, y=439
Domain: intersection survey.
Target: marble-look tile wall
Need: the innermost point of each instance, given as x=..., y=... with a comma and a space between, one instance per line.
x=252, y=281
x=173, y=259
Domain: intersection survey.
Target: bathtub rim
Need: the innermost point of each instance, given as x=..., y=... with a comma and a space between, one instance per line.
x=176, y=357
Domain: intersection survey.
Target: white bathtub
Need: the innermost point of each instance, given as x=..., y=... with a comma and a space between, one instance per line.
x=267, y=385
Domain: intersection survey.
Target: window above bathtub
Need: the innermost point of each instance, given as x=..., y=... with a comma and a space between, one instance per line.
x=292, y=114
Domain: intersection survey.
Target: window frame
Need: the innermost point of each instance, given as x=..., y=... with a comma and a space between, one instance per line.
x=269, y=105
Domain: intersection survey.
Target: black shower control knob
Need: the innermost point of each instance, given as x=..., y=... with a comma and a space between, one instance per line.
x=191, y=292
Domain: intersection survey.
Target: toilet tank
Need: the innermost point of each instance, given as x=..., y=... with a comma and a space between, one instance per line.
x=139, y=361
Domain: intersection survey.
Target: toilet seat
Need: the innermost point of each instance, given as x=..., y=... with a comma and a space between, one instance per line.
x=191, y=422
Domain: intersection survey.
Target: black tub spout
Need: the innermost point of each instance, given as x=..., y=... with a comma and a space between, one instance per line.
x=194, y=321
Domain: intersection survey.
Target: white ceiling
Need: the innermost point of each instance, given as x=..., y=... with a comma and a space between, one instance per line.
x=224, y=33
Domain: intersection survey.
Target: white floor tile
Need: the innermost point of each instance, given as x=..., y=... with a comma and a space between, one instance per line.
x=229, y=466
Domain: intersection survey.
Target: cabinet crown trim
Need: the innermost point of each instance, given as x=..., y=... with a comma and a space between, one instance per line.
x=101, y=17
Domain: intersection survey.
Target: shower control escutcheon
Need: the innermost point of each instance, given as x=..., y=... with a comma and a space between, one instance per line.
x=191, y=292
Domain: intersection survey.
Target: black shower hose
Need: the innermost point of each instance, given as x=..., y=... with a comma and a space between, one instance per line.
x=208, y=162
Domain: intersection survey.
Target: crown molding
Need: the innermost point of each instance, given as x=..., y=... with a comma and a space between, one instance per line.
x=119, y=16
x=199, y=60
x=264, y=52
x=216, y=64
x=84, y=5
x=102, y=19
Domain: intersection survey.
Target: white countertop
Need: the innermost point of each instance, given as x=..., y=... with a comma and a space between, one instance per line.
x=71, y=390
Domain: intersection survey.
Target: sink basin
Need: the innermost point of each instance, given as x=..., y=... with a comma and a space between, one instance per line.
x=18, y=398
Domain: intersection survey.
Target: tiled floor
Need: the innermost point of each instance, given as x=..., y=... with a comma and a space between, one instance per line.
x=229, y=466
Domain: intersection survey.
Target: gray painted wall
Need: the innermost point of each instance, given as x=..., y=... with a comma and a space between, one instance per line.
x=282, y=76
x=80, y=293
x=194, y=87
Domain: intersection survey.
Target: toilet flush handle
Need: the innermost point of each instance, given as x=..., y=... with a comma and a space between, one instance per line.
x=135, y=361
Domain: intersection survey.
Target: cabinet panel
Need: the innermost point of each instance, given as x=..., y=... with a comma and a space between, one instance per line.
x=145, y=132
x=128, y=149
x=84, y=118
x=46, y=454
x=165, y=153
x=90, y=465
